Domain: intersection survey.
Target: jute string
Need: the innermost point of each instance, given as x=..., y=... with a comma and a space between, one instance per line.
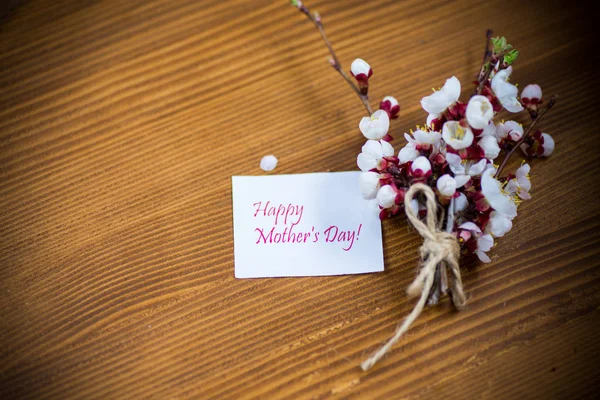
x=438, y=247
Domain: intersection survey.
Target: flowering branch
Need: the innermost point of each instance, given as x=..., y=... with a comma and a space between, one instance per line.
x=449, y=163
x=526, y=135
x=315, y=18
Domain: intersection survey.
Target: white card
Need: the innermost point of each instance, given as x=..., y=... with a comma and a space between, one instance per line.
x=304, y=225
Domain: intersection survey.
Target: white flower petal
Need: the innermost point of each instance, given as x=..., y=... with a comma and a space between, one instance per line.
x=505, y=91
x=485, y=242
x=498, y=224
x=376, y=126
x=489, y=130
x=484, y=258
x=360, y=66
x=470, y=226
x=439, y=101
x=492, y=191
x=366, y=162
x=387, y=148
x=446, y=185
x=461, y=180
x=452, y=88
x=435, y=103
x=268, y=163
x=369, y=184
x=478, y=168
x=490, y=147
x=461, y=203
x=408, y=153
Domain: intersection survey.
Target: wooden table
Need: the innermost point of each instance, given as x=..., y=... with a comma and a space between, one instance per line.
x=121, y=125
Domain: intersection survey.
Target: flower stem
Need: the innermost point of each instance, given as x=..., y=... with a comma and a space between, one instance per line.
x=335, y=62
x=526, y=135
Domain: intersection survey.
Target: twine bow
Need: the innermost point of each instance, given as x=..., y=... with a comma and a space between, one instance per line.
x=438, y=248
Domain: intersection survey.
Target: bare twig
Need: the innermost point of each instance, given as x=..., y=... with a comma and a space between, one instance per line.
x=526, y=135
x=486, y=69
x=335, y=62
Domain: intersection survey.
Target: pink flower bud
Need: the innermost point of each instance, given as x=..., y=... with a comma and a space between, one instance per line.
x=421, y=167
x=548, y=144
x=531, y=98
x=390, y=105
x=446, y=185
x=361, y=71
x=386, y=196
x=531, y=94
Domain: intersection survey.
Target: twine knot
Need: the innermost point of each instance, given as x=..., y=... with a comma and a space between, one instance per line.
x=439, y=249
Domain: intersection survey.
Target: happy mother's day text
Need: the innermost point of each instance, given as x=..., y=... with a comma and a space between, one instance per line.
x=285, y=219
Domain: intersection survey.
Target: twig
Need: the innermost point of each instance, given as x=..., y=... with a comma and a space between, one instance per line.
x=485, y=70
x=335, y=62
x=440, y=280
x=526, y=135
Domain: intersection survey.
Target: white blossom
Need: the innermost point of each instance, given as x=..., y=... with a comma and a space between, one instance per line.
x=268, y=163
x=439, y=101
x=372, y=153
x=499, y=200
x=490, y=147
x=484, y=242
x=456, y=136
x=424, y=137
x=498, y=224
x=479, y=112
x=408, y=153
x=512, y=129
x=505, y=91
x=369, y=184
x=464, y=167
x=520, y=185
x=463, y=170
x=376, y=126
x=446, y=185
x=386, y=196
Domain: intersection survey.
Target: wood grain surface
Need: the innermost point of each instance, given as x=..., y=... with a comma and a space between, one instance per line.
x=121, y=123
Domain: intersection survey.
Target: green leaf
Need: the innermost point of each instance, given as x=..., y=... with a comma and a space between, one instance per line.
x=511, y=57
x=294, y=3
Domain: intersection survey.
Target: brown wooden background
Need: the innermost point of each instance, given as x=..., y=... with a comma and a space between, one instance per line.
x=121, y=123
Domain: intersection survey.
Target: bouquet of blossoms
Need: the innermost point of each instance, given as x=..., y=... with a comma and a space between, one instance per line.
x=449, y=179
